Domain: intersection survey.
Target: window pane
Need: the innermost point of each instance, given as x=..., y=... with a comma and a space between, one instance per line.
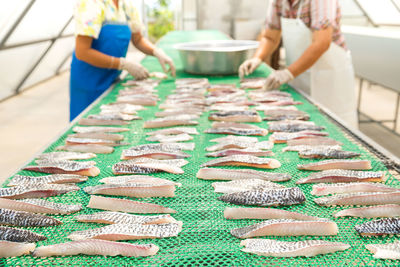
x=349, y=8
x=48, y=67
x=70, y=28
x=19, y=61
x=382, y=11
x=9, y=12
x=35, y=24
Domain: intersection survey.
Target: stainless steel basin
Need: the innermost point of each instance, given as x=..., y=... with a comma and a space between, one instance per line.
x=219, y=57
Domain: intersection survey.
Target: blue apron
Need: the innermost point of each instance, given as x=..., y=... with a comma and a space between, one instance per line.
x=87, y=82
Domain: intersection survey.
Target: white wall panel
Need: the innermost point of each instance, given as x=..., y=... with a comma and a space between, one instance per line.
x=9, y=12
x=15, y=63
x=44, y=20
x=51, y=61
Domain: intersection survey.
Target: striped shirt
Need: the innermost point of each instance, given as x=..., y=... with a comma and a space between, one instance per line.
x=316, y=15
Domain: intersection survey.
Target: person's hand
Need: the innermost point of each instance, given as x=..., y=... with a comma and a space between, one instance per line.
x=249, y=66
x=133, y=68
x=277, y=78
x=165, y=60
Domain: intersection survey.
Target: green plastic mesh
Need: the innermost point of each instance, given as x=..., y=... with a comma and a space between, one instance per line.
x=205, y=238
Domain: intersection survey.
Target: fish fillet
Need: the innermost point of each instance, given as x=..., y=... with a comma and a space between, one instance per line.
x=164, y=147
x=48, y=179
x=96, y=247
x=235, y=174
x=342, y=176
x=375, y=198
x=97, y=149
x=327, y=153
x=244, y=185
x=284, y=137
x=132, y=190
x=19, y=235
x=129, y=167
x=236, y=116
x=169, y=138
x=237, y=131
x=39, y=206
x=279, y=115
x=389, y=210
x=36, y=191
x=66, y=167
x=66, y=156
x=168, y=122
x=271, y=197
x=176, y=130
x=26, y=219
x=101, y=122
x=154, y=154
x=276, y=248
x=292, y=126
x=265, y=213
x=264, y=145
x=343, y=188
x=136, y=179
x=244, y=160
x=95, y=129
x=103, y=136
x=237, y=151
x=387, y=226
x=110, y=217
x=287, y=227
x=314, y=141
x=115, y=232
x=336, y=164
x=385, y=251
x=302, y=147
x=234, y=138
x=124, y=205
x=15, y=249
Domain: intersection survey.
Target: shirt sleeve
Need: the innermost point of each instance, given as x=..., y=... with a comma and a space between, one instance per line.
x=274, y=15
x=134, y=21
x=89, y=17
x=323, y=14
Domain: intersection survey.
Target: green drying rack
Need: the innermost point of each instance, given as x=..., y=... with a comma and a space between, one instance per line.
x=205, y=238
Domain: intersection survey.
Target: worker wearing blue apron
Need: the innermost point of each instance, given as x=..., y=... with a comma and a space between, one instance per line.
x=104, y=29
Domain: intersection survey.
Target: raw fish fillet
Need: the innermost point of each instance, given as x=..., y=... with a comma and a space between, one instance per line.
x=137, y=100
x=283, y=137
x=48, y=179
x=66, y=167
x=176, y=130
x=19, y=235
x=36, y=191
x=375, y=198
x=79, y=129
x=265, y=213
x=164, y=147
x=170, y=121
x=271, y=197
x=26, y=219
x=224, y=124
x=15, y=249
x=110, y=217
x=307, y=248
x=39, y=206
x=235, y=174
x=103, y=136
x=385, y=251
x=389, y=210
x=236, y=116
x=234, y=138
x=147, y=165
x=287, y=227
x=264, y=145
x=238, y=151
x=278, y=115
x=116, y=232
x=314, y=141
x=132, y=190
x=101, y=122
x=169, y=138
x=343, y=188
x=292, y=126
x=327, y=153
x=97, y=149
x=96, y=247
x=252, y=83
x=123, y=108
x=154, y=154
x=136, y=179
x=124, y=205
x=352, y=164
x=244, y=185
x=237, y=131
x=89, y=141
x=342, y=176
x=244, y=160
x=66, y=156
x=387, y=226
x=107, y=115
x=302, y=148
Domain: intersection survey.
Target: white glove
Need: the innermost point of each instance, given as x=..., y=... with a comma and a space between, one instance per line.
x=164, y=59
x=277, y=78
x=249, y=66
x=133, y=68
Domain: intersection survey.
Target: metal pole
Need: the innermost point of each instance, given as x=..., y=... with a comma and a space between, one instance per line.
x=396, y=114
x=365, y=13
x=16, y=23
x=359, y=97
x=18, y=87
x=34, y=42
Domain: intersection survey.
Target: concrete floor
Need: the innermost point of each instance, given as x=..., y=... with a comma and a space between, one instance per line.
x=36, y=117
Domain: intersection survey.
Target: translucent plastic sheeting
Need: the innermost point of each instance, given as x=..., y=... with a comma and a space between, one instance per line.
x=45, y=19
x=349, y=8
x=70, y=29
x=9, y=12
x=382, y=12
x=50, y=63
x=18, y=62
